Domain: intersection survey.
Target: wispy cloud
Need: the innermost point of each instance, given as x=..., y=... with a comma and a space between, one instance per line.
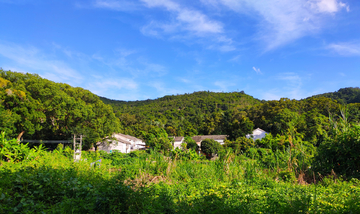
x=183, y=23
x=257, y=70
x=224, y=85
x=120, y=5
x=286, y=85
x=187, y=24
x=188, y=19
x=345, y=49
x=283, y=21
x=162, y=89
x=292, y=85
x=126, y=72
x=34, y=60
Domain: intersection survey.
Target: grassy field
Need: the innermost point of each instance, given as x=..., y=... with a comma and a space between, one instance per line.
x=149, y=182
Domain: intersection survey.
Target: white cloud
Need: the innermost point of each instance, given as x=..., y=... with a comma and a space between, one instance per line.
x=187, y=19
x=162, y=89
x=123, y=83
x=223, y=85
x=328, y=6
x=184, y=23
x=292, y=85
x=273, y=95
x=120, y=5
x=257, y=70
x=345, y=49
x=283, y=21
x=285, y=85
x=33, y=59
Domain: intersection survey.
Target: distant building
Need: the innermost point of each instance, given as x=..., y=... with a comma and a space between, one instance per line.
x=136, y=143
x=217, y=138
x=177, y=142
x=122, y=143
x=257, y=134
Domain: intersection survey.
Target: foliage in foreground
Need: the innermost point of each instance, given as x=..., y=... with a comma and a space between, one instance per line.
x=149, y=182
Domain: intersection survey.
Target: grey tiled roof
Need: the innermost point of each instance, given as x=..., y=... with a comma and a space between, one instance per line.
x=130, y=137
x=178, y=138
x=214, y=137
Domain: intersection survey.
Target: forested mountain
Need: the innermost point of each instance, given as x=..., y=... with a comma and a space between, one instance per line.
x=42, y=109
x=234, y=114
x=188, y=114
x=344, y=95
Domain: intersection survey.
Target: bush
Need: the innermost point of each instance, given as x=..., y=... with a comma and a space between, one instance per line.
x=240, y=145
x=340, y=153
x=210, y=147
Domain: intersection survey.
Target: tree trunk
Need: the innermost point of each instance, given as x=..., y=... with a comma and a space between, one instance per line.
x=20, y=135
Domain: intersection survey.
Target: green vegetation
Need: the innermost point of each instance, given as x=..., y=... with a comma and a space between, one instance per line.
x=199, y=113
x=210, y=147
x=261, y=180
x=37, y=108
x=344, y=95
x=308, y=163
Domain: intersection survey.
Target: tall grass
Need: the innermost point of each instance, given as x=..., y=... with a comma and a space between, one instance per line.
x=143, y=182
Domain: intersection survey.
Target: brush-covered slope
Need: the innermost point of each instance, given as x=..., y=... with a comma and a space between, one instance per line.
x=188, y=114
x=42, y=109
x=344, y=95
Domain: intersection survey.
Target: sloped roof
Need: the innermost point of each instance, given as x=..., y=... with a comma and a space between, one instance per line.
x=117, y=139
x=214, y=137
x=178, y=138
x=123, y=141
x=258, y=129
x=129, y=137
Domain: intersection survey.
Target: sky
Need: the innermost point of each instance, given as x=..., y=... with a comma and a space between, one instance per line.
x=145, y=49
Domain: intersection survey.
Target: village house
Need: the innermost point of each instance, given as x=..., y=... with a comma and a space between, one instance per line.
x=180, y=140
x=177, y=142
x=257, y=134
x=122, y=143
x=136, y=143
x=217, y=138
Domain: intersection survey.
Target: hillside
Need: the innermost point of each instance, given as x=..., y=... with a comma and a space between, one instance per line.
x=202, y=101
x=344, y=95
x=188, y=114
x=38, y=108
x=42, y=109
x=234, y=114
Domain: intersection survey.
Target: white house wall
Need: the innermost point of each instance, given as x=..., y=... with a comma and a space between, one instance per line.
x=121, y=147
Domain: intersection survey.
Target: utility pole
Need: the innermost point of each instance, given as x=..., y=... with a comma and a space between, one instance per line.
x=77, y=147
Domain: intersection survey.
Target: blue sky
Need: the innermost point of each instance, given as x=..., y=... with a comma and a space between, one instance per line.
x=145, y=49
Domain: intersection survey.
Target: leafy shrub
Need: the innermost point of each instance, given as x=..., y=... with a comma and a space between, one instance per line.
x=192, y=145
x=341, y=154
x=210, y=147
x=14, y=151
x=240, y=145
x=185, y=154
x=287, y=176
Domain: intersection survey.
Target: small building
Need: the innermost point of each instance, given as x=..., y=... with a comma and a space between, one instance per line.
x=121, y=142
x=112, y=145
x=136, y=143
x=177, y=142
x=257, y=134
x=217, y=138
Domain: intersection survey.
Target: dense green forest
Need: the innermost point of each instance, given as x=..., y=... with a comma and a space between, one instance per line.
x=344, y=95
x=38, y=108
x=310, y=163
x=234, y=114
x=199, y=113
x=41, y=109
